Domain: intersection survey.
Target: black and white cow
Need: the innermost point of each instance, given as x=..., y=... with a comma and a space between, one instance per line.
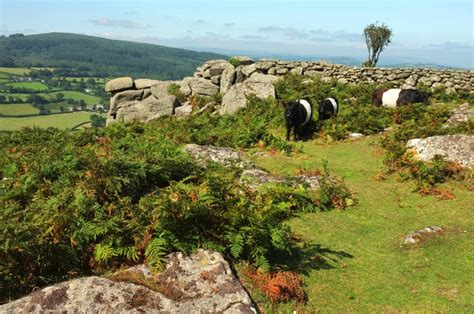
x=328, y=108
x=297, y=114
x=395, y=97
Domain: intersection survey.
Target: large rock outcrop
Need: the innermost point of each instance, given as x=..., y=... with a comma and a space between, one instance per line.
x=237, y=80
x=120, y=83
x=458, y=148
x=236, y=97
x=144, y=101
x=201, y=283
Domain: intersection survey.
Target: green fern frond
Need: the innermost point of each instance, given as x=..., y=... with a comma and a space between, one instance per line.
x=237, y=245
x=261, y=261
x=129, y=252
x=104, y=252
x=155, y=251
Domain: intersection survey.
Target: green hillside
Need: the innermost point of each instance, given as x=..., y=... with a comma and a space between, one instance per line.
x=103, y=57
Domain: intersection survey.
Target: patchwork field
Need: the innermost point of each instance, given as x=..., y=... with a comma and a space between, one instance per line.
x=362, y=266
x=88, y=99
x=17, y=109
x=21, y=96
x=11, y=102
x=15, y=71
x=37, y=86
x=61, y=121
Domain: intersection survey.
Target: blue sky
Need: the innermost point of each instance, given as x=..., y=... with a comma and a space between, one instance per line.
x=423, y=31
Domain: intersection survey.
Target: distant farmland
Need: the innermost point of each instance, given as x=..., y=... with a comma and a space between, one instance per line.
x=36, y=86
x=60, y=121
x=17, y=109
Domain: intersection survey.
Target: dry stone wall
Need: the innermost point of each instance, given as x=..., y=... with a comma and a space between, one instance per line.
x=145, y=100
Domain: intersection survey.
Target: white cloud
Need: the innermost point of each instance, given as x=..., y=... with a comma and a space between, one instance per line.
x=452, y=45
x=118, y=23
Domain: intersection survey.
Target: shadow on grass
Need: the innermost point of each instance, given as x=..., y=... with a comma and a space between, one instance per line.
x=308, y=131
x=308, y=257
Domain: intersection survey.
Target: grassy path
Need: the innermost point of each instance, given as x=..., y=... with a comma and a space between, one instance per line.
x=367, y=269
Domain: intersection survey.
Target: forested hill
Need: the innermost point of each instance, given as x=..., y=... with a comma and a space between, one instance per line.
x=100, y=55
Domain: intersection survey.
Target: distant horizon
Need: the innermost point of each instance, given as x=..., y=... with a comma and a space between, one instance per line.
x=336, y=59
x=424, y=32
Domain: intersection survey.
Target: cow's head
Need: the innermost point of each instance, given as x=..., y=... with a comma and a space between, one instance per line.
x=377, y=97
x=291, y=110
x=423, y=97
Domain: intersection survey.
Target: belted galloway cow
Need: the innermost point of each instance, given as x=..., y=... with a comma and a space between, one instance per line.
x=328, y=108
x=298, y=113
x=394, y=97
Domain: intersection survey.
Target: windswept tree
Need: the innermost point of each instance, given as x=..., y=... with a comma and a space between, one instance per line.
x=376, y=37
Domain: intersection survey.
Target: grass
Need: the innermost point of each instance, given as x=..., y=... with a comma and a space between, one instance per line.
x=21, y=71
x=4, y=76
x=17, y=109
x=22, y=96
x=15, y=71
x=61, y=121
x=37, y=86
x=89, y=99
x=365, y=268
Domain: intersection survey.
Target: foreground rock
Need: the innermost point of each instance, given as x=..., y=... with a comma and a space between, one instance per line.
x=355, y=135
x=252, y=177
x=225, y=156
x=255, y=178
x=422, y=234
x=458, y=148
x=200, y=283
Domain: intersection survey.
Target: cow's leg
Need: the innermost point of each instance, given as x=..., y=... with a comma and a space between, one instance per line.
x=296, y=131
x=288, y=131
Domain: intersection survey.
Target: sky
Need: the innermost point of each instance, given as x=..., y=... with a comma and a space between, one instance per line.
x=436, y=31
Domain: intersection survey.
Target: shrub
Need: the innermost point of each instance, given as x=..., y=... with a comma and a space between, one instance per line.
x=245, y=129
x=428, y=174
x=215, y=212
x=234, y=61
x=282, y=286
x=174, y=89
x=440, y=95
x=68, y=200
x=420, y=121
x=75, y=203
x=333, y=193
